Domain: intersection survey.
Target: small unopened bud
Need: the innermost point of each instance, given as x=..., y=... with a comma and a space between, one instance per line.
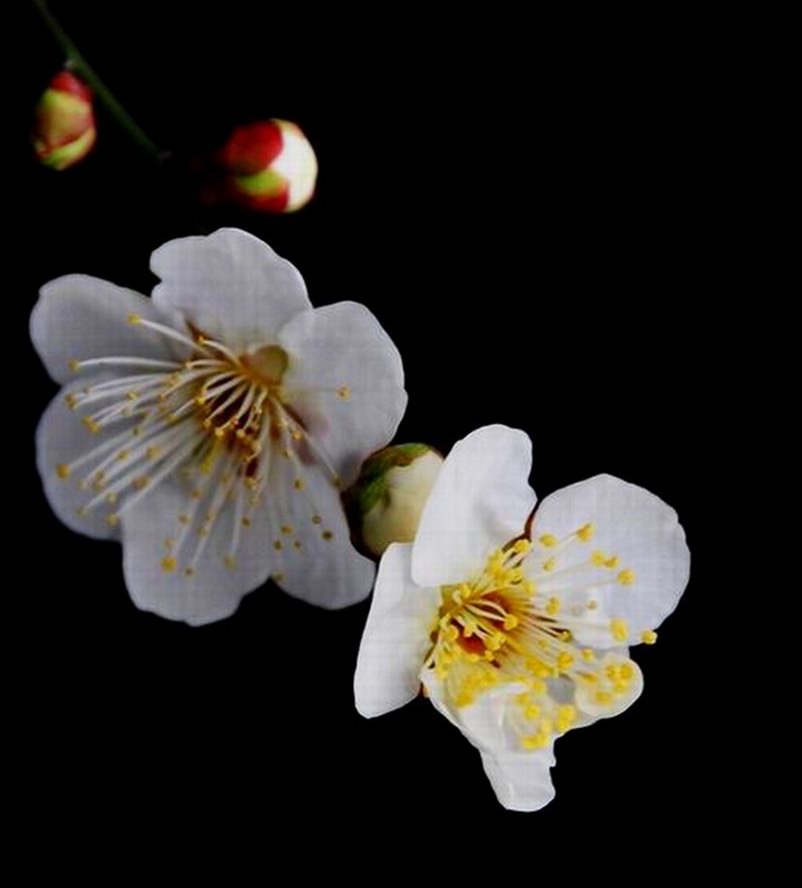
x=64, y=125
x=386, y=502
x=270, y=166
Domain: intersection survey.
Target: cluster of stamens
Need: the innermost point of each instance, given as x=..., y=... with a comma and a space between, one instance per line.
x=217, y=421
x=508, y=626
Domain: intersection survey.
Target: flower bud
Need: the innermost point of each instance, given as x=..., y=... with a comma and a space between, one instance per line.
x=270, y=165
x=386, y=502
x=64, y=125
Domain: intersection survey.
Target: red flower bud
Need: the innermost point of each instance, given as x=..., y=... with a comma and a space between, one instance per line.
x=270, y=166
x=64, y=128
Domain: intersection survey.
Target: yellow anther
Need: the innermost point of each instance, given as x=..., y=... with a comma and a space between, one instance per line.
x=472, y=658
x=626, y=671
x=565, y=660
x=469, y=628
x=567, y=712
x=297, y=435
x=246, y=521
x=134, y=319
x=123, y=455
x=495, y=642
x=132, y=395
x=603, y=697
x=538, y=686
x=169, y=563
x=553, y=606
x=649, y=636
x=327, y=535
x=585, y=533
x=490, y=655
x=592, y=604
x=521, y=547
x=549, y=564
x=71, y=401
x=296, y=544
x=316, y=519
x=343, y=393
x=189, y=571
x=74, y=365
x=464, y=698
x=532, y=711
x=534, y=741
x=111, y=498
x=451, y=633
x=229, y=562
x=278, y=545
x=529, y=587
x=152, y=452
x=619, y=629
x=286, y=529
x=298, y=484
x=548, y=540
x=626, y=577
x=510, y=621
x=63, y=471
x=598, y=558
x=611, y=562
x=546, y=726
x=587, y=655
x=203, y=531
x=91, y=424
x=590, y=677
x=112, y=519
x=141, y=482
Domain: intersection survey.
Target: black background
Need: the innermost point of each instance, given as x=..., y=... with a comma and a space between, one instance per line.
x=530, y=220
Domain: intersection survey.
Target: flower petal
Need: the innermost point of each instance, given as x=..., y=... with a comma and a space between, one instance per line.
x=480, y=501
x=309, y=538
x=521, y=780
x=230, y=284
x=214, y=590
x=61, y=438
x=346, y=382
x=396, y=637
x=642, y=531
x=79, y=317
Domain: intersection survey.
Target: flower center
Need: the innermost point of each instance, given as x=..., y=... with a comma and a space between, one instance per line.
x=508, y=626
x=215, y=421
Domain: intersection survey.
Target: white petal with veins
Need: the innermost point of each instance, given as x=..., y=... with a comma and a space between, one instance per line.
x=346, y=381
x=230, y=284
x=396, y=636
x=78, y=316
x=481, y=499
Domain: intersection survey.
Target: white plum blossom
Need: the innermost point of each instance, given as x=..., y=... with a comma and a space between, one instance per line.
x=518, y=627
x=211, y=427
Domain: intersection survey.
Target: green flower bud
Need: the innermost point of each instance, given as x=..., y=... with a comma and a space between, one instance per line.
x=386, y=502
